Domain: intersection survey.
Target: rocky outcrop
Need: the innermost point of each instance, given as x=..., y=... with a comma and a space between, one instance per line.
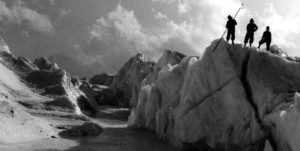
x=26, y=87
x=233, y=99
x=20, y=65
x=58, y=83
x=102, y=79
x=85, y=130
x=51, y=81
x=47, y=79
x=16, y=124
x=127, y=81
x=45, y=64
x=99, y=94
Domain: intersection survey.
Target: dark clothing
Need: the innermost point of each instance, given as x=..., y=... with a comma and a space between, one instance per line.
x=230, y=34
x=266, y=38
x=231, y=23
x=267, y=43
x=251, y=28
x=249, y=36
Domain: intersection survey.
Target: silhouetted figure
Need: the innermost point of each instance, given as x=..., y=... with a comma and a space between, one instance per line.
x=231, y=23
x=251, y=28
x=266, y=38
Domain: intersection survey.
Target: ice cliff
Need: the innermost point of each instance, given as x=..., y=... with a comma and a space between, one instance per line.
x=233, y=99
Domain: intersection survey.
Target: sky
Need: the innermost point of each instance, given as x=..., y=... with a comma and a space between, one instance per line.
x=88, y=37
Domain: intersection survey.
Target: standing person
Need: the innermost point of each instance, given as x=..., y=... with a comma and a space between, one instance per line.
x=231, y=23
x=251, y=28
x=266, y=38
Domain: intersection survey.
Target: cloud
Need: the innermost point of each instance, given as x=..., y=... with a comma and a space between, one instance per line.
x=200, y=22
x=159, y=15
x=122, y=27
x=282, y=16
x=182, y=7
x=52, y=2
x=116, y=37
x=64, y=12
x=203, y=21
x=164, y=1
x=120, y=30
x=19, y=14
x=284, y=26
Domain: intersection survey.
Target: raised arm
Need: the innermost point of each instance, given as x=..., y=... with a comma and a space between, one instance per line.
x=255, y=27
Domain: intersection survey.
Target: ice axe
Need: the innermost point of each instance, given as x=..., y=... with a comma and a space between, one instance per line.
x=242, y=7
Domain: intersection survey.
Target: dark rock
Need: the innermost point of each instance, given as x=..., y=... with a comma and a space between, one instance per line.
x=20, y=65
x=75, y=81
x=85, y=106
x=45, y=64
x=63, y=102
x=85, y=130
x=103, y=79
x=43, y=79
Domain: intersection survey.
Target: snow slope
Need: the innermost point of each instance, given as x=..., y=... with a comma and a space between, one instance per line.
x=16, y=124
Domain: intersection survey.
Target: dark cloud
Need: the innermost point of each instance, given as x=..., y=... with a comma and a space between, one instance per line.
x=19, y=14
